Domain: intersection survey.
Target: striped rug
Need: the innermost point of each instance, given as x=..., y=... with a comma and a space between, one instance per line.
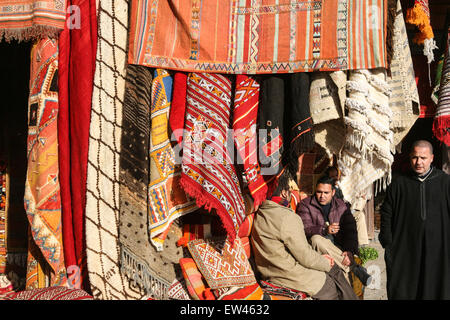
x=256, y=36
x=32, y=19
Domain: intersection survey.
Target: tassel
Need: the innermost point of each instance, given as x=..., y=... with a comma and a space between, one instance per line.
x=441, y=125
x=417, y=16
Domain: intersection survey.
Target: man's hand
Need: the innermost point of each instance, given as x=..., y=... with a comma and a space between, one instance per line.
x=330, y=259
x=348, y=258
x=333, y=228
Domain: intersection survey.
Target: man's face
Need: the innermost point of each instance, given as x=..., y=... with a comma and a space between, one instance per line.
x=324, y=193
x=420, y=159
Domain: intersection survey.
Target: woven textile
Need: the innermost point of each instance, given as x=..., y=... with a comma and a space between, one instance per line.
x=3, y=215
x=273, y=289
x=52, y=293
x=246, y=227
x=252, y=292
x=178, y=107
x=245, y=114
x=102, y=198
x=208, y=173
x=404, y=99
x=167, y=200
x=222, y=263
x=150, y=271
x=77, y=48
x=195, y=231
x=42, y=198
x=441, y=123
x=301, y=135
x=31, y=19
x=193, y=278
x=366, y=155
x=327, y=102
x=271, y=126
x=258, y=36
x=178, y=290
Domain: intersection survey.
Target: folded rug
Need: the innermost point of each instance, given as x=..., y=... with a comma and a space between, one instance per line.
x=166, y=199
x=42, y=199
x=31, y=19
x=52, y=293
x=222, y=263
x=208, y=173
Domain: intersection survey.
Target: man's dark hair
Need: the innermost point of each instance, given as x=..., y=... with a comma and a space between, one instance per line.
x=283, y=184
x=325, y=179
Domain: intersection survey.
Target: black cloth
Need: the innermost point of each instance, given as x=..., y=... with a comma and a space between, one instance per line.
x=284, y=112
x=415, y=232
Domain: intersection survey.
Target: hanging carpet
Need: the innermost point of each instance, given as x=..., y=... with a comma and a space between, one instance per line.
x=208, y=172
x=166, y=199
x=275, y=36
x=366, y=155
x=327, y=102
x=103, y=185
x=245, y=116
x=441, y=123
x=77, y=49
x=42, y=199
x=32, y=19
x=404, y=100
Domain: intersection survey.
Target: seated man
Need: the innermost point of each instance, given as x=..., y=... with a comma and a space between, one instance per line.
x=330, y=227
x=284, y=257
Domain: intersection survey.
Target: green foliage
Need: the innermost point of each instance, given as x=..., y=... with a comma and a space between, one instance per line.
x=367, y=253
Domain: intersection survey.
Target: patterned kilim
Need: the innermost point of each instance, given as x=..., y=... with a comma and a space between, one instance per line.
x=42, y=194
x=245, y=116
x=102, y=198
x=28, y=19
x=273, y=289
x=150, y=270
x=441, y=123
x=208, y=173
x=178, y=290
x=255, y=36
x=3, y=220
x=53, y=293
x=402, y=82
x=366, y=155
x=167, y=200
x=222, y=263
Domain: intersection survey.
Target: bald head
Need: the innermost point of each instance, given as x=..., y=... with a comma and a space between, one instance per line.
x=421, y=156
x=422, y=144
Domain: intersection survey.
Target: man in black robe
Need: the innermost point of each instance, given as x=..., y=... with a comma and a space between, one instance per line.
x=415, y=230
